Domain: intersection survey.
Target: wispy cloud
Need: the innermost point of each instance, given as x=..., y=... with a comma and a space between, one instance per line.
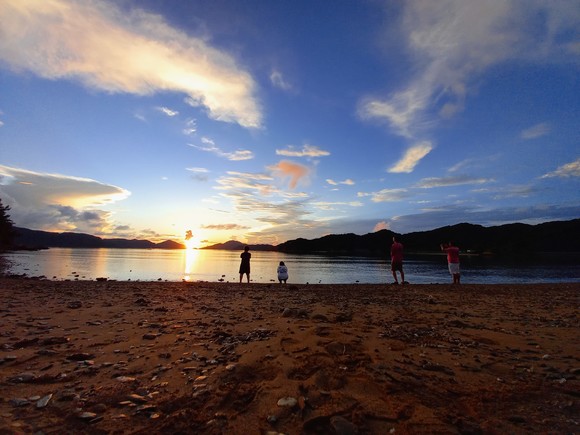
x=54, y=201
x=386, y=195
x=412, y=157
x=306, y=151
x=209, y=146
x=132, y=51
x=296, y=172
x=536, y=131
x=199, y=174
x=453, y=42
x=347, y=182
x=279, y=81
x=571, y=169
x=432, y=182
x=327, y=205
x=225, y=227
x=167, y=111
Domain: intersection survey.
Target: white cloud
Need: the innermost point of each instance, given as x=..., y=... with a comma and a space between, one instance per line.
x=306, y=151
x=571, y=169
x=117, y=51
x=168, y=111
x=412, y=157
x=54, y=201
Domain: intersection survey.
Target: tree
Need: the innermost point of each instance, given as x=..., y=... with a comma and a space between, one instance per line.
x=6, y=227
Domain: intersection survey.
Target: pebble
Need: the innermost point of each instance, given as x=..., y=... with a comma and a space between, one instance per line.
x=44, y=401
x=19, y=401
x=289, y=402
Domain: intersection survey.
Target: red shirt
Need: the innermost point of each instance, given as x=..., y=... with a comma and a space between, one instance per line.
x=452, y=254
x=397, y=252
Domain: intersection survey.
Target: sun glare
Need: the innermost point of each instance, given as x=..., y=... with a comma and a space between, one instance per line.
x=190, y=243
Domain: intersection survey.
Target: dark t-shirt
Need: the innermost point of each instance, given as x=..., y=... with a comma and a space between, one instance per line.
x=245, y=264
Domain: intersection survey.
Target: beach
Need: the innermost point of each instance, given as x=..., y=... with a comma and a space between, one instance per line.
x=228, y=358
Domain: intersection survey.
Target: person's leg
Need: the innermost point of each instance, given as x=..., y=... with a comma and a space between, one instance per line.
x=402, y=276
x=395, y=276
x=248, y=275
x=241, y=275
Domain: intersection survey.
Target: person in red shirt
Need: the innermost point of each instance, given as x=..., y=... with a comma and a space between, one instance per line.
x=452, y=261
x=397, y=261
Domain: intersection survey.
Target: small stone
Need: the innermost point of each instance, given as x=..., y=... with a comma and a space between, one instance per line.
x=80, y=357
x=125, y=379
x=149, y=336
x=23, y=378
x=135, y=398
x=19, y=401
x=289, y=402
x=44, y=401
x=87, y=415
x=75, y=304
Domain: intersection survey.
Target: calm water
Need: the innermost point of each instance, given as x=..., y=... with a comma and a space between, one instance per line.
x=212, y=265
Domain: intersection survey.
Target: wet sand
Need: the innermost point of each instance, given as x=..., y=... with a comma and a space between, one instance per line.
x=224, y=358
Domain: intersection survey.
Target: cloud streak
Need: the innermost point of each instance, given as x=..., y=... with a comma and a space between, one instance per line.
x=571, y=169
x=134, y=52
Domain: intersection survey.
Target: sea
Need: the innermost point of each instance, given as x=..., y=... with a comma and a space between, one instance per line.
x=222, y=266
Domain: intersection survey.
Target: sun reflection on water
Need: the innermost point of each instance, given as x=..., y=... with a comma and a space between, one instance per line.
x=191, y=258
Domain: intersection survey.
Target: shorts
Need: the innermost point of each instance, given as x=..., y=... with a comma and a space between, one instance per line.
x=454, y=268
x=397, y=265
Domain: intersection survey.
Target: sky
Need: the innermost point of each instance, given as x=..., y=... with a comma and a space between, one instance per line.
x=265, y=121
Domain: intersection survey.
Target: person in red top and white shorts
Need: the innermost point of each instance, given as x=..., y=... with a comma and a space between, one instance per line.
x=452, y=261
x=397, y=261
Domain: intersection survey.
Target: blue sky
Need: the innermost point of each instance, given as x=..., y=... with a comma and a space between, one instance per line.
x=265, y=121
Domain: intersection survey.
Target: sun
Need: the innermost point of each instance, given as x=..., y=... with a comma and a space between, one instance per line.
x=190, y=241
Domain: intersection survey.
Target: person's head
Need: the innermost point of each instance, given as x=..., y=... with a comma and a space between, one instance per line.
x=281, y=263
x=247, y=248
x=394, y=239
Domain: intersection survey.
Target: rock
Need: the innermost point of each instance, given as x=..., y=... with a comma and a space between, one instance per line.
x=44, y=401
x=287, y=402
x=342, y=426
x=149, y=336
x=87, y=415
x=23, y=378
x=80, y=357
x=51, y=341
x=74, y=304
x=19, y=401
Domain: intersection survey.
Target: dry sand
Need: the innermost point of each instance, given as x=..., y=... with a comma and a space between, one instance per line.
x=222, y=358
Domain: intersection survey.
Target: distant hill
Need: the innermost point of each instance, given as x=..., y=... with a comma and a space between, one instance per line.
x=559, y=236
x=35, y=239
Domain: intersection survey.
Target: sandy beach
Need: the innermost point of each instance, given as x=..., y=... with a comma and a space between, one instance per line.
x=223, y=358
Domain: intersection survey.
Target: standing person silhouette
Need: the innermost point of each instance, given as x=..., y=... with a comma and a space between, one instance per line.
x=452, y=261
x=245, y=263
x=397, y=261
